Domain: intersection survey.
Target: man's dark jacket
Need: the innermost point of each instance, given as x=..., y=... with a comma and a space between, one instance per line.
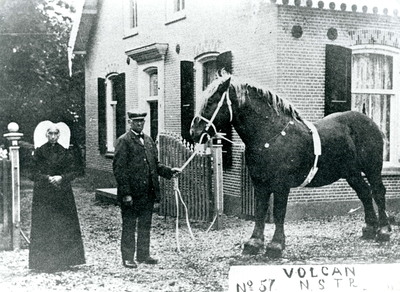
x=136, y=165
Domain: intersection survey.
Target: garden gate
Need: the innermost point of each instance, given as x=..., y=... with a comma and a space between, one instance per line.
x=195, y=182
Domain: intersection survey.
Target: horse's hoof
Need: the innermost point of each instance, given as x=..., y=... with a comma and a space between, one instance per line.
x=368, y=232
x=383, y=234
x=274, y=250
x=252, y=246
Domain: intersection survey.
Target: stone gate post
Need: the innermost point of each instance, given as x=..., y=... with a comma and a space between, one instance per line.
x=219, y=184
x=13, y=137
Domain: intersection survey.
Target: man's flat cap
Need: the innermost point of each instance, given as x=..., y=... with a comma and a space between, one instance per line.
x=136, y=116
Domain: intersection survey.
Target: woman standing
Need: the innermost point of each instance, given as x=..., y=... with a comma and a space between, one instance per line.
x=56, y=242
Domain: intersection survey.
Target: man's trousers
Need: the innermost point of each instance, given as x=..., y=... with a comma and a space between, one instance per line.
x=142, y=213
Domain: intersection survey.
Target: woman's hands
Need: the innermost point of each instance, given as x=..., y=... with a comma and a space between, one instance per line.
x=55, y=180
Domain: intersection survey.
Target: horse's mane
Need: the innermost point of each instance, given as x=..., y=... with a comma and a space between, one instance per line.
x=242, y=88
x=210, y=90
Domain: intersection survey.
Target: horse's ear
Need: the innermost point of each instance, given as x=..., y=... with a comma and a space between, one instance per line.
x=224, y=86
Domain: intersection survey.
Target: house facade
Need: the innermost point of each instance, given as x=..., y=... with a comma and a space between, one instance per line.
x=158, y=56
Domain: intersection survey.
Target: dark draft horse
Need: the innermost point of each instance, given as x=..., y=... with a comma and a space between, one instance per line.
x=279, y=154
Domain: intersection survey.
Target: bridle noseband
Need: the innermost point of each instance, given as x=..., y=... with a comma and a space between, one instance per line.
x=210, y=122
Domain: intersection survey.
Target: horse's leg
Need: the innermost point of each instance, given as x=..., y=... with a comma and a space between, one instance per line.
x=378, y=194
x=363, y=191
x=277, y=245
x=256, y=241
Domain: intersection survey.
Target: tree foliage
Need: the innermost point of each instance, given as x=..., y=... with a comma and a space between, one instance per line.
x=34, y=77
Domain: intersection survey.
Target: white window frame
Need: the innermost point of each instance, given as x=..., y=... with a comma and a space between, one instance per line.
x=198, y=66
x=111, y=106
x=394, y=162
x=173, y=15
x=129, y=29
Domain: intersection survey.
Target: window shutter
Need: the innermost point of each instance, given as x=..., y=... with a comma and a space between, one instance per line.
x=119, y=87
x=224, y=60
x=187, y=98
x=101, y=111
x=337, y=79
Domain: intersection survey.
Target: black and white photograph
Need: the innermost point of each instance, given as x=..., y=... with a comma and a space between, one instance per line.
x=187, y=145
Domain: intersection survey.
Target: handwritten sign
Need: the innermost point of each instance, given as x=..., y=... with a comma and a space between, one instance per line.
x=376, y=277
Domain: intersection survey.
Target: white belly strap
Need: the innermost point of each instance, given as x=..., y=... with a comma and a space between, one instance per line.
x=317, y=153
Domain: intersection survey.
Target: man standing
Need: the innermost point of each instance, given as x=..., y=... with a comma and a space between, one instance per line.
x=136, y=170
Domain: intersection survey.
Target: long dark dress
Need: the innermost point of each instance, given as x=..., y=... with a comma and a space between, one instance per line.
x=56, y=241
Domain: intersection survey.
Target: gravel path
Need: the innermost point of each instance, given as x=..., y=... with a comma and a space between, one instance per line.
x=202, y=265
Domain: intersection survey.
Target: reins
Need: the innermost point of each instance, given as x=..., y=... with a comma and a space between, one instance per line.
x=210, y=122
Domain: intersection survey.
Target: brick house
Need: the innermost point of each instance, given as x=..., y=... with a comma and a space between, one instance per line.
x=158, y=56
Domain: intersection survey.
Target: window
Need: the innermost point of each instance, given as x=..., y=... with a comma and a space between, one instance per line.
x=130, y=18
x=206, y=72
x=111, y=111
x=133, y=13
x=153, y=103
x=209, y=72
x=179, y=5
x=153, y=82
x=373, y=93
x=365, y=79
x=150, y=99
x=175, y=10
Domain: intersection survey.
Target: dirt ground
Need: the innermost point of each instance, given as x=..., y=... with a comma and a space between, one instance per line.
x=202, y=265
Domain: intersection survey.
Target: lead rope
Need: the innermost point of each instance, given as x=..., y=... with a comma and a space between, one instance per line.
x=178, y=197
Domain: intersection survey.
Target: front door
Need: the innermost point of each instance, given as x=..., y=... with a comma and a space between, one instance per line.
x=153, y=119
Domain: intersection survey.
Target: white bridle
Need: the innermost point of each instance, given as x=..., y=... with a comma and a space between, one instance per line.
x=210, y=122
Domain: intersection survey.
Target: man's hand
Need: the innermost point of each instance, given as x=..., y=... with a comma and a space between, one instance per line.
x=176, y=171
x=127, y=200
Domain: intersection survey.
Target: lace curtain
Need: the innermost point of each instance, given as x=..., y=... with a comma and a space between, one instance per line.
x=372, y=75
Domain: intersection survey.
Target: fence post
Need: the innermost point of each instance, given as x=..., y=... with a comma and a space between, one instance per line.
x=13, y=137
x=219, y=185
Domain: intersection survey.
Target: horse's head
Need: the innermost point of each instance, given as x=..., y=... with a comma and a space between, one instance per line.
x=216, y=110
